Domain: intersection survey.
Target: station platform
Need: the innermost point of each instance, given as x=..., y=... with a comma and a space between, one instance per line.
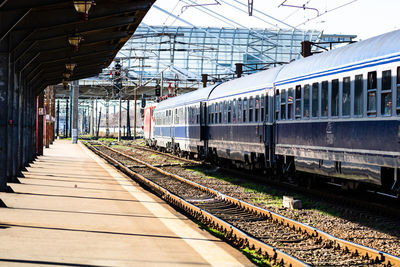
x=73, y=209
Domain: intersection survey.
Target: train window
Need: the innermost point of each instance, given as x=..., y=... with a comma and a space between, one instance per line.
x=210, y=111
x=257, y=109
x=346, y=97
x=224, y=114
x=220, y=112
x=214, y=115
x=290, y=103
x=314, y=97
x=386, y=94
x=398, y=91
x=335, y=98
x=358, y=95
x=372, y=80
x=262, y=107
x=234, y=110
x=245, y=110
x=277, y=105
x=324, y=99
x=283, y=104
x=229, y=111
x=251, y=106
x=240, y=110
x=298, y=102
x=371, y=98
x=306, y=101
x=266, y=107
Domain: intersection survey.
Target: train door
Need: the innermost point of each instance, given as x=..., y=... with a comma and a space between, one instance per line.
x=203, y=121
x=203, y=128
x=268, y=130
x=172, y=128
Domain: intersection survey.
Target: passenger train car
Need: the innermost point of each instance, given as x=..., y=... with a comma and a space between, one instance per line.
x=335, y=114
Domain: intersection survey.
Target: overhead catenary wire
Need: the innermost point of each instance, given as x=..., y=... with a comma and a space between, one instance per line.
x=165, y=22
x=207, y=32
x=262, y=13
x=327, y=11
x=235, y=24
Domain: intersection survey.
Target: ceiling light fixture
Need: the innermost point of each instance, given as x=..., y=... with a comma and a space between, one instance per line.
x=83, y=7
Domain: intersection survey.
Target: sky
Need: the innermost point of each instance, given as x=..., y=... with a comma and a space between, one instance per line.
x=364, y=18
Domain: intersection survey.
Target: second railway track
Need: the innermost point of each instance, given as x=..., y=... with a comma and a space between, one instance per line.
x=307, y=244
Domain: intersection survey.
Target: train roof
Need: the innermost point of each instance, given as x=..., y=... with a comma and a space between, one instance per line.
x=255, y=82
x=187, y=99
x=341, y=59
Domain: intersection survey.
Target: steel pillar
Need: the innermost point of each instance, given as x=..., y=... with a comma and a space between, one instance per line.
x=66, y=130
x=70, y=111
x=16, y=127
x=119, y=119
x=74, y=124
x=58, y=118
x=92, y=119
x=128, y=120
x=39, y=137
x=47, y=117
x=3, y=119
x=134, y=115
x=10, y=102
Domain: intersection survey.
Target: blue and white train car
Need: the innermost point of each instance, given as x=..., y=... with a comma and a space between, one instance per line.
x=239, y=128
x=337, y=113
x=180, y=122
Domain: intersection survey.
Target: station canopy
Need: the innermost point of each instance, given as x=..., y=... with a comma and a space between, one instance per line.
x=37, y=34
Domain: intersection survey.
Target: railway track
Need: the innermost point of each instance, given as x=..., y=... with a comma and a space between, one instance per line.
x=384, y=207
x=289, y=242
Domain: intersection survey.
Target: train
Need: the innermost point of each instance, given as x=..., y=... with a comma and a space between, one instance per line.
x=334, y=114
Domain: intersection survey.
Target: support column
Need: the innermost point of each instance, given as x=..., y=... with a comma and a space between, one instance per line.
x=58, y=119
x=107, y=117
x=66, y=130
x=134, y=116
x=3, y=120
x=70, y=111
x=92, y=118
x=24, y=128
x=20, y=127
x=52, y=113
x=47, y=118
x=128, y=120
x=30, y=126
x=16, y=127
x=10, y=137
x=39, y=137
x=119, y=119
x=74, y=124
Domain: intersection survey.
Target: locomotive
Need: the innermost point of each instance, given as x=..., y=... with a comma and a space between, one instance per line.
x=334, y=114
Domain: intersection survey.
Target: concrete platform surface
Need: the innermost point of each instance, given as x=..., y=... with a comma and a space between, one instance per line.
x=72, y=209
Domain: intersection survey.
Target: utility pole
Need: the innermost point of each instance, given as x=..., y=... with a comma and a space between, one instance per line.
x=58, y=117
x=107, y=117
x=134, y=113
x=119, y=118
x=98, y=123
x=128, y=120
x=141, y=60
x=66, y=130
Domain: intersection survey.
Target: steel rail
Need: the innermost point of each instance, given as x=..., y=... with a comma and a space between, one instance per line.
x=235, y=235
x=163, y=153
x=375, y=256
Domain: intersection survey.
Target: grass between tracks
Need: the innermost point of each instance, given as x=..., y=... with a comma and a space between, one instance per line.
x=252, y=255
